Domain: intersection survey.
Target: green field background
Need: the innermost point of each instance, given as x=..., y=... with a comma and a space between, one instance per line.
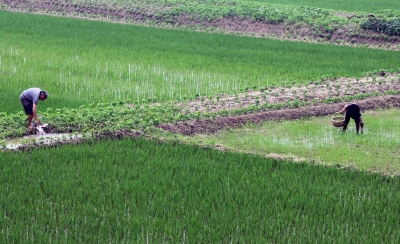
x=80, y=61
x=135, y=190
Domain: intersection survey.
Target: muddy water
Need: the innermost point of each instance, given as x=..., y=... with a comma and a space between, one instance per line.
x=42, y=139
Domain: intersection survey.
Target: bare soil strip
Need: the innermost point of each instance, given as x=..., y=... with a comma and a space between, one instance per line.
x=315, y=92
x=209, y=126
x=233, y=25
x=191, y=128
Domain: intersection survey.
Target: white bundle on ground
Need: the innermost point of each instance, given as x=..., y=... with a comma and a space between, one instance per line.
x=39, y=130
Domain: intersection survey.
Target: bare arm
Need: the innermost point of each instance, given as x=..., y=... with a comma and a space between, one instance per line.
x=34, y=114
x=344, y=108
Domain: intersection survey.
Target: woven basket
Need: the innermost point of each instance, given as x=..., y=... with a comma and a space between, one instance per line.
x=337, y=120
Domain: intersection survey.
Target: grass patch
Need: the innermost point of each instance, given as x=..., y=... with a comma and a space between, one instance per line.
x=315, y=139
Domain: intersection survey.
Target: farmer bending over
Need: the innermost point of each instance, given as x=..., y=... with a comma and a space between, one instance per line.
x=29, y=99
x=352, y=111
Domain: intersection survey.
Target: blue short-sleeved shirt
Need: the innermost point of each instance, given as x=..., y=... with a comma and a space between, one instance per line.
x=32, y=94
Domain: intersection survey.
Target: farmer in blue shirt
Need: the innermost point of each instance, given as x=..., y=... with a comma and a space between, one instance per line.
x=29, y=99
x=352, y=111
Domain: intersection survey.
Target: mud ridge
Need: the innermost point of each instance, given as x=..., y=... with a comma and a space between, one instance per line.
x=142, y=14
x=218, y=124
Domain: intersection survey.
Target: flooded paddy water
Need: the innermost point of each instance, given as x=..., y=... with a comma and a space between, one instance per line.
x=40, y=139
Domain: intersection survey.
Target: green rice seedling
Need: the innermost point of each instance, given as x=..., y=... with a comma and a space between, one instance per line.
x=316, y=139
x=138, y=190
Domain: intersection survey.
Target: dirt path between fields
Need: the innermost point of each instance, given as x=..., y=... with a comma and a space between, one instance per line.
x=143, y=14
x=213, y=126
x=315, y=94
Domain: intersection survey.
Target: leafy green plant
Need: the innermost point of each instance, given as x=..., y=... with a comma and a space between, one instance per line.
x=390, y=27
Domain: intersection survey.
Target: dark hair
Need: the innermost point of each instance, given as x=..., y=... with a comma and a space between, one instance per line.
x=44, y=93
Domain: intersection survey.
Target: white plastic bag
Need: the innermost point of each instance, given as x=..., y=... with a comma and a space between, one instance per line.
x=39, y=130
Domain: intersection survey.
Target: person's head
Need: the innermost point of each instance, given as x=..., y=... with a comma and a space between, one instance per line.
x=43, y=95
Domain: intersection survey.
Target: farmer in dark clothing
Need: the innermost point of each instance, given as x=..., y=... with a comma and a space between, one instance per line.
x=352, y=111
x=29, y=99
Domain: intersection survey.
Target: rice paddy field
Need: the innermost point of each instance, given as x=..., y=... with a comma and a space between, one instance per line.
x=115, y=84
x=81, y=62
x=135, y=190
x=316, y=140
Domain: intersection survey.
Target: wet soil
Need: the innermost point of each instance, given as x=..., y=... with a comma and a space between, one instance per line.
x=316, y=94
x=214, y=126
x=144, y=15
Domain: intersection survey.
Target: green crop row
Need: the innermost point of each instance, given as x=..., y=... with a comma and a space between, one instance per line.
x=80, y=62
x=135, y=190
x=183, y=14
x=389, y=27
x=344, y=5
x=171, y=12
x=356, y=5
x=109, y=117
